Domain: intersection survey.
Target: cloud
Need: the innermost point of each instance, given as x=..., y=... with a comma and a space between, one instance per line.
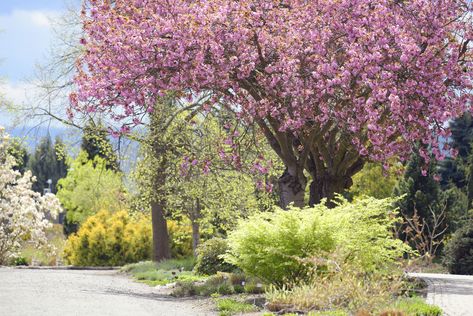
x=26, y=18
x=25, y=38
x=16, y=93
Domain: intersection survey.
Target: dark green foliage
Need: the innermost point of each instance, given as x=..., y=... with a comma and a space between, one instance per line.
x=420, y=192
x=20, y=261
x=459, y=251
x=426, y=195
x=96, y=143
x=209, y=259
x=462, y=135
x=48, y=162
x=458, y=172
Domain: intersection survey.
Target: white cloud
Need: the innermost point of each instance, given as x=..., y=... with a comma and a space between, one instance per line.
x=25, y=38
x=41, y=19
x=35, y=17
x=16, y=93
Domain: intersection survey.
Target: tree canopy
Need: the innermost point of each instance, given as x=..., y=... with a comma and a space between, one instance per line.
x=331, y=84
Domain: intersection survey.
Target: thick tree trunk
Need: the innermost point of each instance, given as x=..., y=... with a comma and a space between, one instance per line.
x=326, y=188
x=292, y=186
x=161, y=249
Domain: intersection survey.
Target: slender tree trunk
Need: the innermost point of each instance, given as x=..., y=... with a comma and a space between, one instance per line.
x=292, y=186
x=161, y=249
x=195, y=236
x=194, y=217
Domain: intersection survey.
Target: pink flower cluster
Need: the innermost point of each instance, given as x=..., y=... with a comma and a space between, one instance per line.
x=387, y=73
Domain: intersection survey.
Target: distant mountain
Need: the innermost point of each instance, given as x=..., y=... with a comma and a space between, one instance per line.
x=32, y=135
x=127, y=150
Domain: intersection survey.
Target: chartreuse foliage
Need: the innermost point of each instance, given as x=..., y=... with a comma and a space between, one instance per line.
x=283, y=247
x=89, y=187
x=373, y=181
x=416, y=306
x=107, y=239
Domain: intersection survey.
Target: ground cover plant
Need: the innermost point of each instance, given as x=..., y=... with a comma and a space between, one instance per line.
x=164, y=272
x=228, y=306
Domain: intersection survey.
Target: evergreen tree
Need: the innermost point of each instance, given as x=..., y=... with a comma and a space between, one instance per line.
x=453, y=171
x=420, y=192
x=95, y=143
x=424, y=194
x=47, y=164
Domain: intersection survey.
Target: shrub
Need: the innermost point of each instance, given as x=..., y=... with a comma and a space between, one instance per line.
x=209, y=257
x=459, y=251
x=180, y=235
x=107, y=239
x=343, y=285
x=281, y=247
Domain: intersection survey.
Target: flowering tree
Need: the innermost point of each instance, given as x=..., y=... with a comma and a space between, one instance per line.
x=332, y=84
x=22, y=211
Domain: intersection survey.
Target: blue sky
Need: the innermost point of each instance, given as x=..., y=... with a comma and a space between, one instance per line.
x=25, y=38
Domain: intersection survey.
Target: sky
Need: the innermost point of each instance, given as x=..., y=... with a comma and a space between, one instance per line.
x=25, y=38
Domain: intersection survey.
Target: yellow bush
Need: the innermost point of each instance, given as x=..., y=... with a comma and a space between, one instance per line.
x=107, y=239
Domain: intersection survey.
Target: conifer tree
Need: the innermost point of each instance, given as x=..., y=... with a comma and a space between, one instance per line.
x=95, y=143
x=47, y=164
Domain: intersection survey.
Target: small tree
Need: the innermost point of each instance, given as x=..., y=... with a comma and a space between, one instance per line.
x=426, y=236
x=90, y=187
x=22, y=211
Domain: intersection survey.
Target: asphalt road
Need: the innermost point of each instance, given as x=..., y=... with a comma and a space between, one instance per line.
x=86, y=293
x=453, y=293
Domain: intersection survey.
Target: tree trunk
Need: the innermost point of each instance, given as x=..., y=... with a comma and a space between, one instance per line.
x=292, y=188
x=326, y=188
x=161, y=249
x=195, y=236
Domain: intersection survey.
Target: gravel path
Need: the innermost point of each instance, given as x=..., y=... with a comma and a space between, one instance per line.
x=86, y=293
x=453, y=293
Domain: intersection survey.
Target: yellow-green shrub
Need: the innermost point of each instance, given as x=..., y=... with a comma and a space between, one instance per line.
x=180, y=235
x=280, y=247
x=107, y=239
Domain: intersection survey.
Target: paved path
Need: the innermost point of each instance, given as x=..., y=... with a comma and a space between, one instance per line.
x=86, y=293
x=453, y=293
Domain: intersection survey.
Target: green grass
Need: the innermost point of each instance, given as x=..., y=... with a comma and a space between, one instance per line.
x=186, y=264
x=227, y=307
x=416, y=306
x=163, y=272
